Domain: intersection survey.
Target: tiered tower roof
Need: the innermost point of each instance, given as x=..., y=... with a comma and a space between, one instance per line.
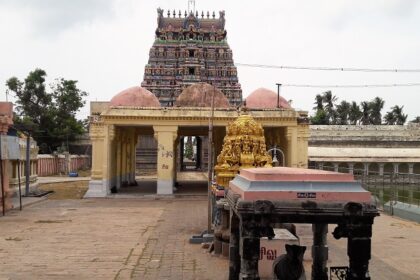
x=190, y=48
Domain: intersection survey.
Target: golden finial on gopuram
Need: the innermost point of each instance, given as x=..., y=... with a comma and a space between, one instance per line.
x=243, y=147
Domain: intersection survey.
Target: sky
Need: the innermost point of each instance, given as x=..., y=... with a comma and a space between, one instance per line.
x=104, y=44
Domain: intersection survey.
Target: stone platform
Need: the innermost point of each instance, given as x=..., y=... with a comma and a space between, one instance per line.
x=140, y=239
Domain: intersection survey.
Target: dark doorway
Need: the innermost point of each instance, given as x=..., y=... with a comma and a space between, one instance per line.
x=191, y=153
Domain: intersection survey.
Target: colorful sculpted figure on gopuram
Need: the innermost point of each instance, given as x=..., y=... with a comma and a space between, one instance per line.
x=243, y=147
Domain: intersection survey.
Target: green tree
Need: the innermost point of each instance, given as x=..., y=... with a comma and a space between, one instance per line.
x=50, y=114
x=376, y=106
x=329, y=101
x=354, y=113
x=389, y=118
x=416, y=120
x=320, y=118
x=395, y=116
x=319, y=102
x=365, y=119
x=188, y=149
x=343, y=112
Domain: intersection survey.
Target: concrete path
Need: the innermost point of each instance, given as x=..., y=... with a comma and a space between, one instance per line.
x=60, y=179
x=141, y=239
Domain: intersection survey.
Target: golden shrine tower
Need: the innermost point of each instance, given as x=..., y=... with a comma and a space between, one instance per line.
x=243, y=147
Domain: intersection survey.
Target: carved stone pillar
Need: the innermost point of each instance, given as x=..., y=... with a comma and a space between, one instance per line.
x=165, y=136
x=359, y=251
x=249, y=244
x=234, y=257
x=319, y=252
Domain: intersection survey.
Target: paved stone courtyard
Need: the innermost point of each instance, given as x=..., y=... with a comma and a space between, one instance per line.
x=148, y=239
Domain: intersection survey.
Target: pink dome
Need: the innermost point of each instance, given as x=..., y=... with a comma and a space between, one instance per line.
x=135, y=97
x=200, y=95
x=263, y=98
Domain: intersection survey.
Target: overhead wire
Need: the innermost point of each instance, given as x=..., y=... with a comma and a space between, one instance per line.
x=352, y=86
x=323, y=68
x=343, y=69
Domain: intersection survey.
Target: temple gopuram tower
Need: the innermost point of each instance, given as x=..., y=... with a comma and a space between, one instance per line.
x=190, y=48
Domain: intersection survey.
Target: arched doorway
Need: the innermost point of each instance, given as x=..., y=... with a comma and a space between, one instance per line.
x=343, y=167
x=191, y=153
x=388, y=168
x=416, y=169
x=403, y=168
x=373, y=168
x=358, y=169
x=328, y=166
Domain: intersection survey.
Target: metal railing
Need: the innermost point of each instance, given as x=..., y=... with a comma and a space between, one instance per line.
x=387, y=187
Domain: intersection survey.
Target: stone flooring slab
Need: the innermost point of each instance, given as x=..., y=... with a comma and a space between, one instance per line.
x=142, y=239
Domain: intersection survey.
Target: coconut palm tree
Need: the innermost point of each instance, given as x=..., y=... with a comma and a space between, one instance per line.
x=400, y=117
x=319, y=102
x=329, y=101
x=389, y=118
x=354, y=113
x=342, y=112
x=376, y=106
x=365, y=119
x=416, y=120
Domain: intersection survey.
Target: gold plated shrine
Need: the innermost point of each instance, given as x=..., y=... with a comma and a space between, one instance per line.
x=243, y=147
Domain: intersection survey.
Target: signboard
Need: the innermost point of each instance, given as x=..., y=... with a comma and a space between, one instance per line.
x=10, y=147
x=306, y=195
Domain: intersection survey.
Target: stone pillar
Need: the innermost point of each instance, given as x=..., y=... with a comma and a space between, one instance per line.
x=133, y=181
x=319, y=252
x=411, y=178
x=100, y=136
x=165, y=136
x=335, y=166
x=249, y=244
x=176, y=155
x=234, y=257
x=351, y=168
x=118, y=159
x=366, y=168
x=395, y=165
x=292, y=152
x=321, y=165
x=381, y=169
x=410, y=168
x=6, y=120
x=128, y=158
x=108, y=161
x=124, y=181
x=303, y=137
x=359, y=251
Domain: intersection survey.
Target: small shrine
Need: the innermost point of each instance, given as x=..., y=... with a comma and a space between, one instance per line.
x=243, y=147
